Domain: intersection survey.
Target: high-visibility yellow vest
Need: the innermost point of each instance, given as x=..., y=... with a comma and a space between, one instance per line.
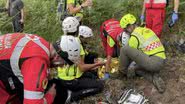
x=146, y=40
x=71, y=72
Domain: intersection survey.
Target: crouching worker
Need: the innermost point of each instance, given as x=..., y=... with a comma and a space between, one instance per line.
x=24, y=63
x=110, y=31
x=145, y=49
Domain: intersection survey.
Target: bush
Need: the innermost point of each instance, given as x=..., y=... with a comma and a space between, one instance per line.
x=41, y=16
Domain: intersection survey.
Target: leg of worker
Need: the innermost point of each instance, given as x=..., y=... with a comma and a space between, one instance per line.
x=85, y=87
x=152, y=63
x=149, y=19
x=124, y=61
x=158, y=21
x=18, y=27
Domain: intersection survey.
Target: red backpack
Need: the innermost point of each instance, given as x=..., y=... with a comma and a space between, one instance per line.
x=111, y=27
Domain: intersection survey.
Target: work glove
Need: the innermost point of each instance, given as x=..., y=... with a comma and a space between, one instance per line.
x=106, y=76
x=174, y=18
x=142, y=18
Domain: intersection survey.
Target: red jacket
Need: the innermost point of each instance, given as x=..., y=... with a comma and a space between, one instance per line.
x=155, y=3
x=113, y=29
x=24, y=63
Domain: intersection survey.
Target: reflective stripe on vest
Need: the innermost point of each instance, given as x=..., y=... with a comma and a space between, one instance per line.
x=14, y=59
x=155, y=1
x=145, y=42
x=149, y=43
x=33, y=95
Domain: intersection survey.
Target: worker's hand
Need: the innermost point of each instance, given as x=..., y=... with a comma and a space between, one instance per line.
x=142, y=18
x=174, y=17
x=173, y=20
x=52, y=90
x=87, y=3
x=100, y=63
x=21, y=21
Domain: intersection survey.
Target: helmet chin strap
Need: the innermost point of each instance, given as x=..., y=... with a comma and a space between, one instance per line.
x=62, y=54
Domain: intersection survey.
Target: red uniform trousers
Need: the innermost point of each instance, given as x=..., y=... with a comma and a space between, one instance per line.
x=155, y=20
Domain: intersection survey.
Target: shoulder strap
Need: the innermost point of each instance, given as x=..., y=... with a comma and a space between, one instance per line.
x=65, y=5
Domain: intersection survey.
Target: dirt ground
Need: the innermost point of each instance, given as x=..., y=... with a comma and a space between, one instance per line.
x=173, y=75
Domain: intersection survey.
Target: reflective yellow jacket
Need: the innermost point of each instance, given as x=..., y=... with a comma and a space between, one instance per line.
x=146, y=40
x=70, y=72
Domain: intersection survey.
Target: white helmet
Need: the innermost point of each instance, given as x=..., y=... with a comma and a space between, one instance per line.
x=70, y=45
x=85, y=31
x=70, y=24
x=124, y=38
x=68, y=48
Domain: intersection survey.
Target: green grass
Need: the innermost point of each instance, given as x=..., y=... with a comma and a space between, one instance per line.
x=40, y=16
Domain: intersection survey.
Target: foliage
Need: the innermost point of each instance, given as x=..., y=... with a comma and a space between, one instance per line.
x=40, y=16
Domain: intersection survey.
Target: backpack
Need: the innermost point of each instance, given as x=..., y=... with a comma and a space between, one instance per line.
x=111, y=27
x=131, y=96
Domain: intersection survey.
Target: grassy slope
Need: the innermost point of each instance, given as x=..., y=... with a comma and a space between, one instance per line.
x=41, y=17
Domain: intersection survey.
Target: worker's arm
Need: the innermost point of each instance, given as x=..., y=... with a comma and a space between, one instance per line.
x=20, y=6
x=35, y=71
x=110, y=50
x=176, y=5
x=174, y=15
x=75, y=9
x=108, y=62
x=143, y=9
x=142, y=17
x=22, y=16
x=85, y=67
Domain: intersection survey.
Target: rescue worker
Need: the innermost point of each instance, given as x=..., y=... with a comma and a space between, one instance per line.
x=75, y=7
x=70, y=26
x=145, y=49
x=155, y=14
x=73, y=77
x=24, y=63
x=110, y=30
x=16, y=12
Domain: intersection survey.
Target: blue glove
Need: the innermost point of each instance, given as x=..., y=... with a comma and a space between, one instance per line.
x=106, y=76
x=142, y=18
x=173, y=19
